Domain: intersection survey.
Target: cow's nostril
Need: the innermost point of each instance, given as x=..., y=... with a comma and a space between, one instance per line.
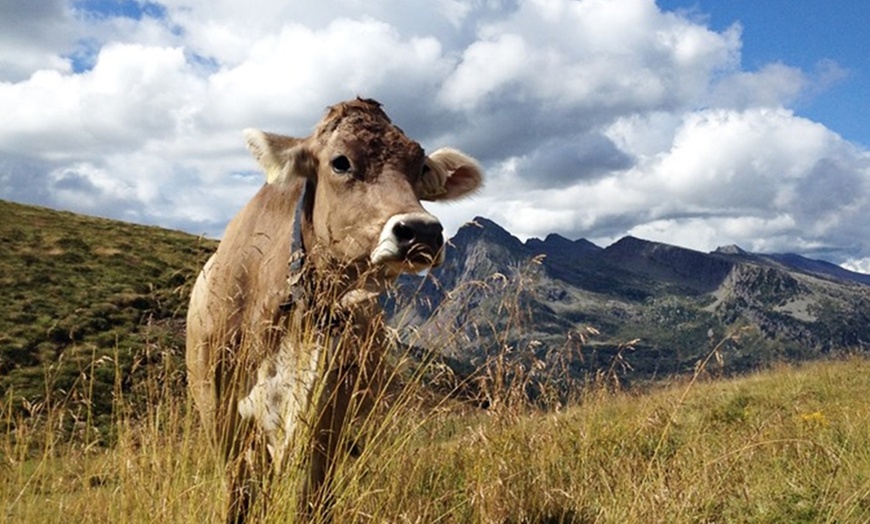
x=404, y=233
x=437, y=240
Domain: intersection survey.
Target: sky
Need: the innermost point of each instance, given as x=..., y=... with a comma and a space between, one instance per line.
x=697, y=123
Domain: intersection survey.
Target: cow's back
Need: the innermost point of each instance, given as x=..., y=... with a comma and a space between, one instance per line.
x=235, y=301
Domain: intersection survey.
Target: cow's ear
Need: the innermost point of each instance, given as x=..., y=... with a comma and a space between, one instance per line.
x=282, y=157
x=449, y=174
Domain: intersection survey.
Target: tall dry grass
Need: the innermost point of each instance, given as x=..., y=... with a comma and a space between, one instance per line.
x=783, y=445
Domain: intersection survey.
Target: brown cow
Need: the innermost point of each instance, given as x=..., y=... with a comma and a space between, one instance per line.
x=283, y=328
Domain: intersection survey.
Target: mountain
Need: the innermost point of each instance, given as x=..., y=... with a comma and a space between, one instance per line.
x=558, y=247
x=817, y=267
x=537, y=298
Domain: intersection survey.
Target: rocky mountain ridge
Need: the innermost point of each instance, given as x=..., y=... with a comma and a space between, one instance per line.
x=496, y=292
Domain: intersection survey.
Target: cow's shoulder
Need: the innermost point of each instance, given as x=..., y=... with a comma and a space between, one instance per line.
x=247, y=280
x=264, y=225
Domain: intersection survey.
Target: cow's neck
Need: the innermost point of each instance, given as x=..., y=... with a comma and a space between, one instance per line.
x=321, y=282
x=331, y=291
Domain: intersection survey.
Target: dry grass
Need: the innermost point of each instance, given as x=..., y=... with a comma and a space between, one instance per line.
x=787, y=445
x=783, y=445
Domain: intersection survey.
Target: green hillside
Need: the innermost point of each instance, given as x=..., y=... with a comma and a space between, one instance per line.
x=83, y=296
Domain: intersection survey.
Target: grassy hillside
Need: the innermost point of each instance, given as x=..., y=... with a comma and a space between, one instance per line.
x=787, y=445
x=83, y=296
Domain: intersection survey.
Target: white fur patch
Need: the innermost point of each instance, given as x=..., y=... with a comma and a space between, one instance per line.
x=283, y=394
x=388, y=246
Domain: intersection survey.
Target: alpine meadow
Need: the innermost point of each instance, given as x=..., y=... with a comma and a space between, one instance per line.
x=546, y=381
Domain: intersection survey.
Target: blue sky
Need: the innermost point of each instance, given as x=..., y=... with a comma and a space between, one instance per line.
x=124, y=8
x=698, y=123
x=806, y=34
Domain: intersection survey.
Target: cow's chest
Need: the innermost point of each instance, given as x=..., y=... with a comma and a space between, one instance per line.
x=282, y=396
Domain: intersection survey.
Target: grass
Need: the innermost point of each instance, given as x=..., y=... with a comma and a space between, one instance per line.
x=783, y=445
x=79, y=289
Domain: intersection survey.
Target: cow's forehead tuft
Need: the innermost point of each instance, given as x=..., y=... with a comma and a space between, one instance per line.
x=364, y=112
x=360, y=105
x=368, y=123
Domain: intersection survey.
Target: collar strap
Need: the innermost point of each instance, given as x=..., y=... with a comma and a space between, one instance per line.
x=297, y=245
x=295, y=286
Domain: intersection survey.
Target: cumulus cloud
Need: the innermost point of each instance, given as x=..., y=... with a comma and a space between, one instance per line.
x=133, y=95
x=288, y=78
x=772, y=86
x=762, y=178
x=592, y=118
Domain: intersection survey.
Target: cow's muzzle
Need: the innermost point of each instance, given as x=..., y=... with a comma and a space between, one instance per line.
x=415, y=240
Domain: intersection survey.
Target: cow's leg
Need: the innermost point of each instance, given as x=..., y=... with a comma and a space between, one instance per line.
x=236, y=440
x=245, y=455
x=246, y=468
x=318, y=495
x=349, y=393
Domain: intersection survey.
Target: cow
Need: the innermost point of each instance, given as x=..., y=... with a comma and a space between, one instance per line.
x=285, y=334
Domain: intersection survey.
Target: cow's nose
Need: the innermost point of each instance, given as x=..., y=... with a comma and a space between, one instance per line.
x=416, y=237
x=413, y=240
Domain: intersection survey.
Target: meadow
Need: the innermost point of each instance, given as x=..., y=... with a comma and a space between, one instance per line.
x=788, y=444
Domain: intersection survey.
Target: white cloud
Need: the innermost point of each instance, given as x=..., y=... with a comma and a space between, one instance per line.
x=774, y=85
x=858, y=265
x=292, y=75
x=591, y=55
x=133, y=95
x=762, y=178
x=487, y=67
x=593, y=118
x=225, y=29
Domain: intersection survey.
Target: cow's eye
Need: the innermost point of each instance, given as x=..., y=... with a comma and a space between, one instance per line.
x=341, y=165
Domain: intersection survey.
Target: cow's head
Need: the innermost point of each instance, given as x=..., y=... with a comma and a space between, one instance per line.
x=368, y=179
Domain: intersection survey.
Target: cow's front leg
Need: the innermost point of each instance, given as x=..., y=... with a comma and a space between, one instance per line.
x=328, y=442
x=247, y=465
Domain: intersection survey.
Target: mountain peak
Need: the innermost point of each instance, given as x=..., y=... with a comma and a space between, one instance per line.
x=557, y=245
x=677, y=265
x=483, y=228
x=557, y=239
x=630, y=244
x=481, y=222
x=731, y=249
